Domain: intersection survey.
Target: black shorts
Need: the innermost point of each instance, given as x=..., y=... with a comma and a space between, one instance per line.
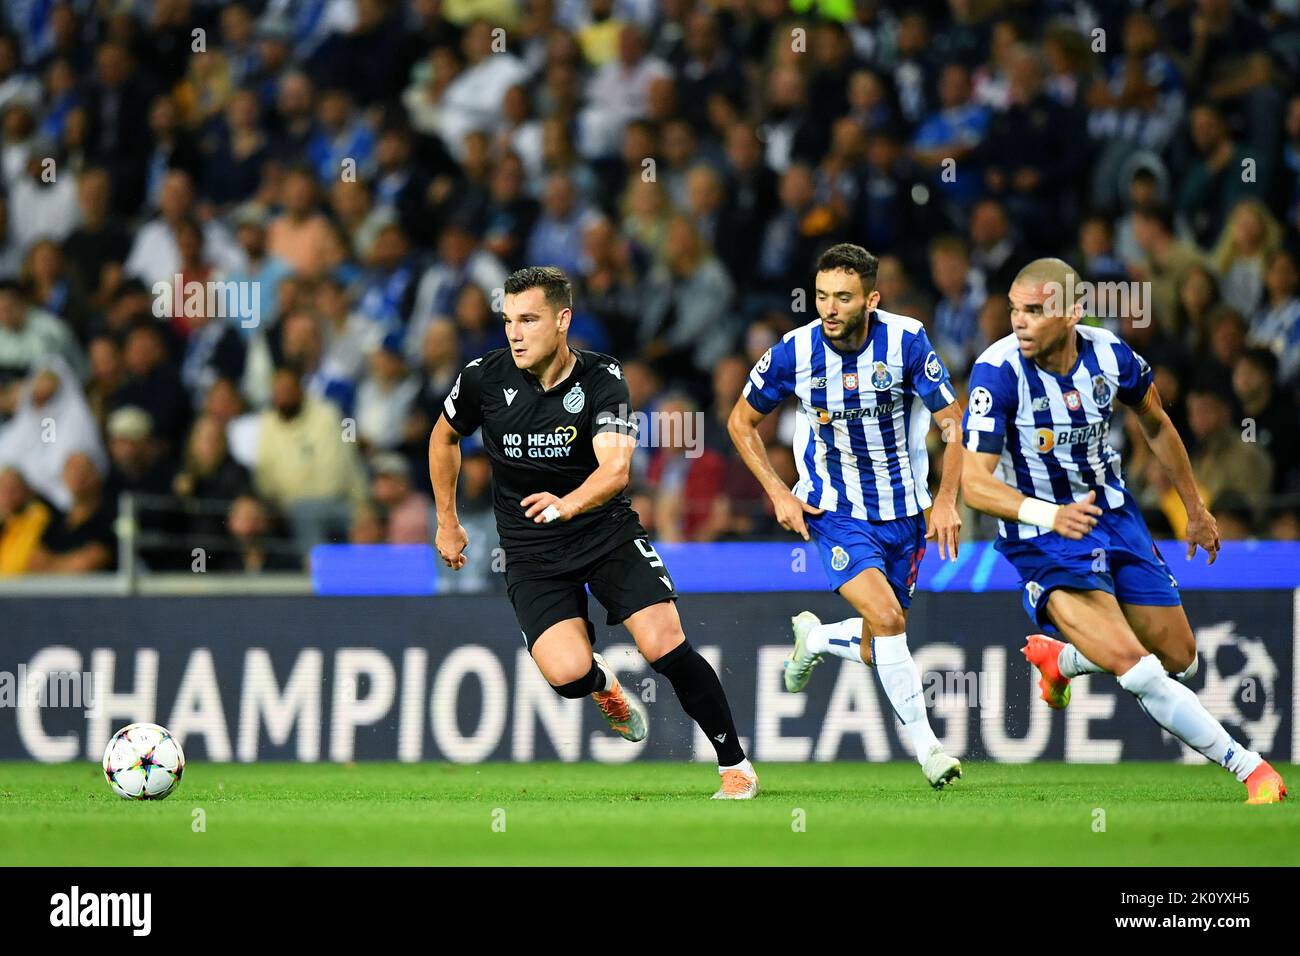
x=627, y=578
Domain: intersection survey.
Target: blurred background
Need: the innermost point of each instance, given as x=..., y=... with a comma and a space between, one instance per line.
x=371, y=171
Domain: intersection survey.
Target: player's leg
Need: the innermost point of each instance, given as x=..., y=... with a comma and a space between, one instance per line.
x=847, y=547
x=1147, y=592
x=883, y=644
x=1094, y=622
x=636, y=589
x=552, y=613
x=1166, y=633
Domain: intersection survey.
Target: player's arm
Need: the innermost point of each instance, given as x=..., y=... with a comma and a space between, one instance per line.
x=985, y=492
x=1167, y=445
x=613, y=472
x=444, y=472
x=945, y=519
x=742, y=425
x=770, y=381
x=462, y=414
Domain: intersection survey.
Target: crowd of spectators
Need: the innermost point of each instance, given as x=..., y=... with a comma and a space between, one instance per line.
x=365, y=174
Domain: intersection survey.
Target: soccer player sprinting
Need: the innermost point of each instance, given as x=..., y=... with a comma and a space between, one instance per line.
x=1040, y=407
x=867, y=382
x=556, y=423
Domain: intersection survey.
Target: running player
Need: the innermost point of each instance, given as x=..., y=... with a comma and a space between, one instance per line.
x=556, y=423
x=860, y=448
x=1040, y=407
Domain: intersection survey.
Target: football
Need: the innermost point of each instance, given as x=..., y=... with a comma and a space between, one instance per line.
x=143, y=762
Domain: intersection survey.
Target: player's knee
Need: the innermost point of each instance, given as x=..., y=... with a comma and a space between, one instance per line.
x=888, y=623
x=571, y=681
x=1182, y=662
x=659, y=642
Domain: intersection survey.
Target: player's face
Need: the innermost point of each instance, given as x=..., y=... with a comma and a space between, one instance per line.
x=843, y=304
x=533, y=328
x=1038, y=319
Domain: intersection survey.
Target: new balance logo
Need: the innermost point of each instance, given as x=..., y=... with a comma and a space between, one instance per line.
x=510, y=394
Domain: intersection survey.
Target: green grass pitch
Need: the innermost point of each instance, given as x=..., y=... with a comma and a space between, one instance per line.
x=645, y=814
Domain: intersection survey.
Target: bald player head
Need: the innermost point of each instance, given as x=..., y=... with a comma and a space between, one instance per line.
x=1045, y=308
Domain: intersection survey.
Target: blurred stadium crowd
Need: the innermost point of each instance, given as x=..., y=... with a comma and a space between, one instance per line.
x=369, y=171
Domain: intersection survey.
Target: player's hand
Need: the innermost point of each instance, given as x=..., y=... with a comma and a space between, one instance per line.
x=535, y=506
x=945, y=528
x=1076, y=519
x=451, y=542
x=790, y=513
x=1202, y=531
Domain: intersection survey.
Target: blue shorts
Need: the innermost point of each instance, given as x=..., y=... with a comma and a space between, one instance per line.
x=849, y=546
x=1118, y=557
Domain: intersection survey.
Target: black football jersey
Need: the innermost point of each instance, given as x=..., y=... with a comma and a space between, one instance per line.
x=541, y=441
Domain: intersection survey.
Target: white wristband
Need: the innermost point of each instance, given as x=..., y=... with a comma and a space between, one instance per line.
x=551, y=513
x=1039, y=512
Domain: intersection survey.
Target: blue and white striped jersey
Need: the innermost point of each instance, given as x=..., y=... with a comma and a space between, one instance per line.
x=860, y=442
x=1051, y=430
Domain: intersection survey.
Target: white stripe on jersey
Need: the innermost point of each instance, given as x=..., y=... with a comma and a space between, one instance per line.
x=829, y=498
x=849, y=471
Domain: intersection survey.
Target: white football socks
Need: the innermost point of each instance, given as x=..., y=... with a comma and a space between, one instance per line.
x=1071, y=663
x=902, y=683
x=1176, y=709
x=843, y=639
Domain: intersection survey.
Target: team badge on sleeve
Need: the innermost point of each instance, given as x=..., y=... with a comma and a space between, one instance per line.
x=981, y=400
x=882, y=378
x=1073, y=400
x=1101, y=390
x=933, y=367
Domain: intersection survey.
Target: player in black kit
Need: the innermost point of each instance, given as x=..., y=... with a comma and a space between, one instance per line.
x=558, y=429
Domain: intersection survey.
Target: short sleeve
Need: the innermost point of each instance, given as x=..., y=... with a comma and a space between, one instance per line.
x=929, y=375
x=771, y=379
x=1135, y=374
x=463, y=406
x=990, y=406
x=612, y=402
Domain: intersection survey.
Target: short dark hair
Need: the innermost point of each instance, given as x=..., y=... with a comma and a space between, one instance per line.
x=550, y=279
x=1159, y=213
x=850, y=258
x=1262, y=358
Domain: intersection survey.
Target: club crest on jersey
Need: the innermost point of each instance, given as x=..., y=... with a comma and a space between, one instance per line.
x=574, y=400
x=839, y=558
x=882, y=378
x=933, y=367
x=1073, y=400
x=850, y=381
x=1100, y=390
x=1035, y=591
